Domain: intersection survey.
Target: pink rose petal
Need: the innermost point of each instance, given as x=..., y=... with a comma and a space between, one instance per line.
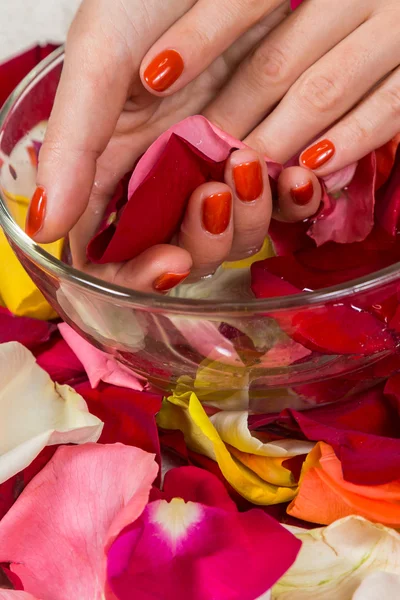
x=348, y=216
x=177, y=550
x=55, y=534
x=98, y=365
x=16, y=595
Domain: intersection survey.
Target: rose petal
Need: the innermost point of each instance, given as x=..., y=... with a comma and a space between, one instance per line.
x=98, y=365
x=324, y=496
x=232, y=427
x=330, y=329
x=61, y=363
x=334, y=560
x=350, y=215
x=362, y=430
x=186, y=414
x=101, y=319
x=15, y=69
x=196, y=485
x=388, y=201
x=31, y=333
x=129, y=416
x=379, y=584
x=179, y=550
x=385, y=160
x=55, y=533
x=15, y=595
x=193, y=147
x=53, y=414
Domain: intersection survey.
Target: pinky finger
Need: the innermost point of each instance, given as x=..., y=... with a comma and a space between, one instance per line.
x=375, y=121
x=299, y=194
x=156, y=270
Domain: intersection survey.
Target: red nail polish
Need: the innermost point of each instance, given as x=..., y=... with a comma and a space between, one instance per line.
x=217, y=212
x=248, y=180
x=167, y=281
x=36, y=212
x=318, y=154
x=302, y=194
x=164, y=70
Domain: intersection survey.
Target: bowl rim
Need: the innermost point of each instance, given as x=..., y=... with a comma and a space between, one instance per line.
x=152, y=301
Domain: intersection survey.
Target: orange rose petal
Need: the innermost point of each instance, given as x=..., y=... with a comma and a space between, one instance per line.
x=324, y=499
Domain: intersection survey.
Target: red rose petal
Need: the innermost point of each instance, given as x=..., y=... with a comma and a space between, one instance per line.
x=330, y=329
x=29, y=332
x=363, y=431
x=155, y=210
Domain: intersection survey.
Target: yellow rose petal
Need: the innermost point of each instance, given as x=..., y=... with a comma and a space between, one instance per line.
x=187, y=414
x=17, y=290
x=268, y=468
x=265, y=252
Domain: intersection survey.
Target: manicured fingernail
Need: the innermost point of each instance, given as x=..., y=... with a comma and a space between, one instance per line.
x=167, y=281
x=164, y=70
x=318, y=154
x=36, y=212
x=248, y=180
x=217, y=212
x=302, y=194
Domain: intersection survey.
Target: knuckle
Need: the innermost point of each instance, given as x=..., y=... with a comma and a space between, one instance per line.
x=320, y=93
x=358, y=130
x=392, y=97
x=269, y=66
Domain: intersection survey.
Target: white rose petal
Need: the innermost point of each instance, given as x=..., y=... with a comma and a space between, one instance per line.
x=35, y=412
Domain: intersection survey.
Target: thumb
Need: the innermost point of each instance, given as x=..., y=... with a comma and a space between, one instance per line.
x=93, y=89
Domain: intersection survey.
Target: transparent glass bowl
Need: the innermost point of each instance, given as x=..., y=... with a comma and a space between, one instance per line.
x=231, y=354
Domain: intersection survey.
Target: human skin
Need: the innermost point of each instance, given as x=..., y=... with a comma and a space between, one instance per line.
x=327, y=71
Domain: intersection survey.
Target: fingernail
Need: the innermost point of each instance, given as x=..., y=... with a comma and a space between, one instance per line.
x=248, y=180
x=217, y=212
x=302, y=194
x=318, y=154
x=164, y=70
x=167, y=281
x=36, y=212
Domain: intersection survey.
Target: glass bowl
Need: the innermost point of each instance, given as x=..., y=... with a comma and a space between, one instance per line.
x=233, y=354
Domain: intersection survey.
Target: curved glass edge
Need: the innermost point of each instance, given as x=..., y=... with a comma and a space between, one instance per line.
x=155, y=302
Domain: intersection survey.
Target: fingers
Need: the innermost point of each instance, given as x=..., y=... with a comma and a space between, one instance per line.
x=228, y=221
x=197, y=39
x=104, y=48
x=370, y=125
x=329, y=89
x=91, y=95
x=247, y=175
x=275, y=65
x=158, y=269
x=299, y=194
x=207, y=229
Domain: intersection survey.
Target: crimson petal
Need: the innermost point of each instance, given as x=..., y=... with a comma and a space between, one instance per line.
x=31, y=333
x=363, y=431
x=330, y=329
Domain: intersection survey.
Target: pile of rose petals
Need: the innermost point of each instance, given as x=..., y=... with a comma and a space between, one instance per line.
x=92, y=504
x=85, y=513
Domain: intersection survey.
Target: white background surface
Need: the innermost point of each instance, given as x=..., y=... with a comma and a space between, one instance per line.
x=26, y=22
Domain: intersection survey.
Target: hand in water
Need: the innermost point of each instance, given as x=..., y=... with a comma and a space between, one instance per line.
x=115, y=99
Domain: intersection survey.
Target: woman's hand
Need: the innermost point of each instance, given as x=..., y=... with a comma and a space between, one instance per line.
x=104, y=118
x=329, y=72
